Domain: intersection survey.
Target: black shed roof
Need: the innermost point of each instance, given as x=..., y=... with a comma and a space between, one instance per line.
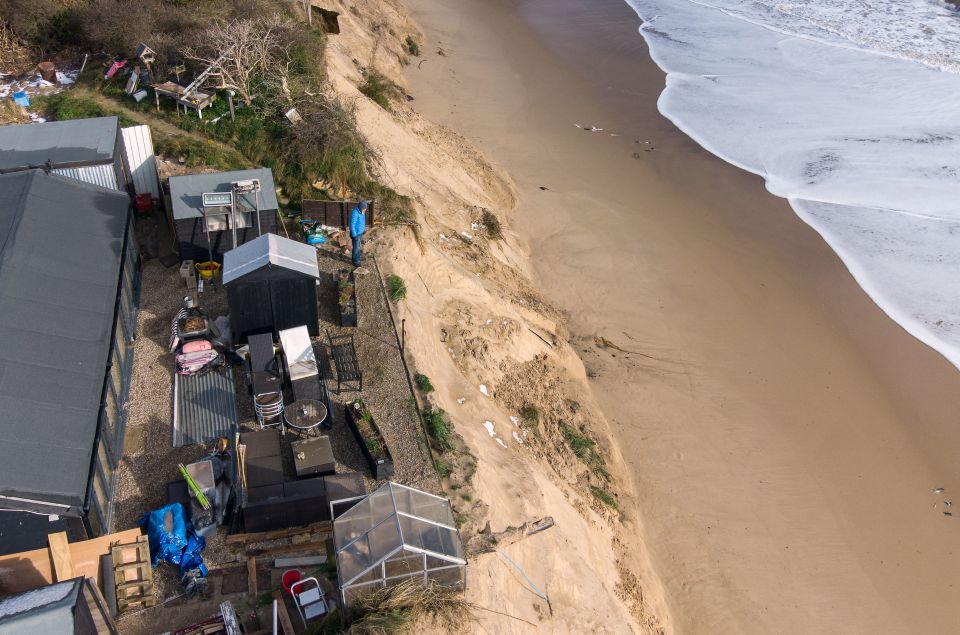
x=61, y=245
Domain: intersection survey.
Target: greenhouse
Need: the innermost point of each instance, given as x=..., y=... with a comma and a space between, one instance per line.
x=396, y=533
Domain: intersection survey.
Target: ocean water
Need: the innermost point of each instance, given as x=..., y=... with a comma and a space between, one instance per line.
x=848, y=109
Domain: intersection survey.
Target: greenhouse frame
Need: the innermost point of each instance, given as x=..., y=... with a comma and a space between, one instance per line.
x=394, y=534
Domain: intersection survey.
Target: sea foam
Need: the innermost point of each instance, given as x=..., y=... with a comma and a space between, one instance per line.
x=851, y=111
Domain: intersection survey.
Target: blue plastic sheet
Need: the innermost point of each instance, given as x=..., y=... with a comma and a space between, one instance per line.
x=167, y=533
x=173, y=539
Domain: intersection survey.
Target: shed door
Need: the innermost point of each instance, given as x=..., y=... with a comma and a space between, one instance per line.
x=292, y=304
x=254, y=313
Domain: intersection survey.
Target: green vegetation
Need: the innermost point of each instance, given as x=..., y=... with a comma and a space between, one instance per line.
x=585, y=449
x=492, y=225
x=397, y=288
x=412, y=47
x=439, y=428
x=443, y=469
x=65, y=106
x=377, y=87
x=605, y=497
x=423, y=383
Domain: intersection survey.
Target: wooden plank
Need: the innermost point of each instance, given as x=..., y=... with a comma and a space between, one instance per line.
x=306, y=561
x=102, y=614
x=260, y=536
x=33, y=569
x=60, y=555
x=252, y=579
x=282, y=614
x=316, y=546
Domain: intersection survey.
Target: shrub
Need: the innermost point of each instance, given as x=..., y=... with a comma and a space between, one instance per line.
x=412, y=47
x=438, y=428
x=492, y=225
x=397, y=288
x=423, y=383
x=377, y=87
x=530, y=415
x=443, y=469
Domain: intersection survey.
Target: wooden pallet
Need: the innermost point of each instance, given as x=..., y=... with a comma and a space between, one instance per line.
x=133, y=575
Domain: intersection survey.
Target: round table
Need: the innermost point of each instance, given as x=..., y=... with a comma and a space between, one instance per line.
x=305, y=415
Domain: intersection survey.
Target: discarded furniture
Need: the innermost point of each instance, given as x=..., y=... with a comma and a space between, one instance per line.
x=270, y=501
x=205, y=407
x=304, y=416
x=266, y=380
x=196, y=98
x=70, y=606
x=132, y=575
x=313, y=457
x=271, y=285
x=395, y=534
x=368, y=435
x=344, y=355
x=301, y=363
x=208, y=232
x=309, y=599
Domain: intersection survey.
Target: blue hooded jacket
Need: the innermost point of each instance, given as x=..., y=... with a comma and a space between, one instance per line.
x=358, y=222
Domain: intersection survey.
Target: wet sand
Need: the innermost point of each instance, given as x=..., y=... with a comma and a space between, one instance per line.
x=784, y=436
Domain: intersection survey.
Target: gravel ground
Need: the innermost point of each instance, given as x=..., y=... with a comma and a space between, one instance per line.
x=150, y=462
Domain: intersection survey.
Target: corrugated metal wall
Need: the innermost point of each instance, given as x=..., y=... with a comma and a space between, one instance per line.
x=102, y=175
x=140, y=161
x=205, y=407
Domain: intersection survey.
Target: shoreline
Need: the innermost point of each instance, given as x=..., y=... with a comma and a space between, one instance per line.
x=759, y=360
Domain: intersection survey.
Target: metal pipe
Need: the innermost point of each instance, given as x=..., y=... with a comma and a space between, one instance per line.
x=274, y=617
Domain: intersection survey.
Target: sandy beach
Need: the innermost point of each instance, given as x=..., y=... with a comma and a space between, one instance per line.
x=783, y=436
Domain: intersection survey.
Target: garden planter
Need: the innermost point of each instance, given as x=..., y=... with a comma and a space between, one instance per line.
x=371, y=441
x=347, y=298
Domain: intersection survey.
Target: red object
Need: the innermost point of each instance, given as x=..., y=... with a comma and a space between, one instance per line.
x=290, y=578
x=114, y=68
x=144, y=203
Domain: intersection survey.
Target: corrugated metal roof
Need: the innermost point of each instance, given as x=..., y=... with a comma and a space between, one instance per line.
x=141, y=163
x=186, y=191
x=102, y=175
x=60, y=142
x=270, y=249
x=205, y=407
x=57, y=301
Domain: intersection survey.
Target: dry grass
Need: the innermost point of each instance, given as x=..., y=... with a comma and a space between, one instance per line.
x=15, y=56
x=397, y=608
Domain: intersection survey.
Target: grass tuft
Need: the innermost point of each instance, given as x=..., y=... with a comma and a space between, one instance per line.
x=398, y=607
x=605, y=497
x=530, y=415
x=412, y=47
x=397, y=288
x=377, y=87
x=423, y=383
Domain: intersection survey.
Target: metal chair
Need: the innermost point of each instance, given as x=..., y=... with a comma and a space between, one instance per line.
x=269, y=410
x=309, y=599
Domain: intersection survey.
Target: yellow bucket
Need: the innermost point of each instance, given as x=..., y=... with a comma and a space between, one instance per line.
x=207, y=270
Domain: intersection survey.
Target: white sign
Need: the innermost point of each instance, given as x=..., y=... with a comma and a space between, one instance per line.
x=217, y=199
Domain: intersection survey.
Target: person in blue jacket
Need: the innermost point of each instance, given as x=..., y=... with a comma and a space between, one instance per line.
x=358, y=224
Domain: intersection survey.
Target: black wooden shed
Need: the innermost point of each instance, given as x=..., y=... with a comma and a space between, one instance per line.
x=271, y=285
x=203, y=232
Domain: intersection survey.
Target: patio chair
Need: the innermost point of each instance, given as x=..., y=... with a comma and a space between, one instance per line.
x=344, y=355
x=309, y=599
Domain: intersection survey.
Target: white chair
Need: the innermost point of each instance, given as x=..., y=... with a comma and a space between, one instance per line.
x=309, y=598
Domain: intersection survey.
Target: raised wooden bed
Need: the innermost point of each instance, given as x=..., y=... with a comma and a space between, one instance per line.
x=371, y=441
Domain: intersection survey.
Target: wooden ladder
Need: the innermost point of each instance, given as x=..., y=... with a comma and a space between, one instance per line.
x=133, y=575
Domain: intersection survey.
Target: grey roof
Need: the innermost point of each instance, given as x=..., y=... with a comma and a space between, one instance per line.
x=49, y=609
x=61, y=245
x=186, y=191
x=60, y=142
x=270, y=249
x=206, y=408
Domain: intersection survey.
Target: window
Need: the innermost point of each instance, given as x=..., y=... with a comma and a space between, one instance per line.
x=112, y=418
x=101, y=501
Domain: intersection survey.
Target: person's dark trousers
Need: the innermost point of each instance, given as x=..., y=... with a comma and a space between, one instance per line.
x=356, y=250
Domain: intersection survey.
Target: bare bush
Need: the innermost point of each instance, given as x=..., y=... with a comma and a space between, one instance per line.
x=15, y=56
x=248, y=54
